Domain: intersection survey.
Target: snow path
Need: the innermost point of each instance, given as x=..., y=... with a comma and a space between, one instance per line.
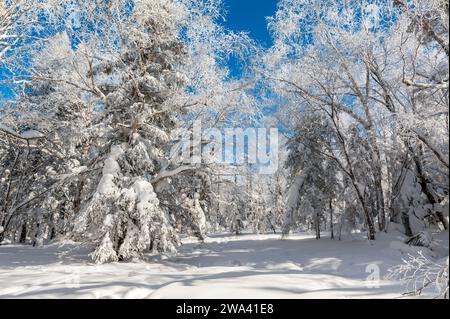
x=246, y=266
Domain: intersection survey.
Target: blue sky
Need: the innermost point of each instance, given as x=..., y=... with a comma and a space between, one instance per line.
x=249, y=16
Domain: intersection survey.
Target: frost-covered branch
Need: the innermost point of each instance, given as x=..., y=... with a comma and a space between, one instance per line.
x=420, y=272
x=28, y=135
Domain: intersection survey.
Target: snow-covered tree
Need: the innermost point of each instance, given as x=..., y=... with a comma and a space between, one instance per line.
x=117, y=83
x=340, y=58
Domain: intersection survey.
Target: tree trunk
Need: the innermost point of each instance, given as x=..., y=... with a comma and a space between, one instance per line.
x=331, y=218
x=406, y=224
x=317, y=226
x=367, y=214
x=423, y=182
x=23, y=234
x=378, y=182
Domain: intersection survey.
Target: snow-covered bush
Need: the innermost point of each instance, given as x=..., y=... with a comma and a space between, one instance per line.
x=420, y=273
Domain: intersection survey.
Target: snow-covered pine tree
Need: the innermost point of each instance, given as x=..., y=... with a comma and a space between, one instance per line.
x=124, y=215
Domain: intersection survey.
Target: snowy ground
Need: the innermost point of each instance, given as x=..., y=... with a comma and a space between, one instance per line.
x=225, y=266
